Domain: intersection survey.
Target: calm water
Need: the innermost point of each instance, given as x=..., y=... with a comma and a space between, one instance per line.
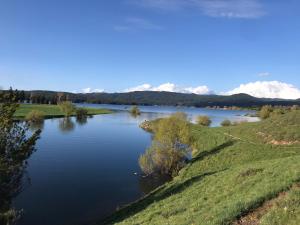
x=83, y=170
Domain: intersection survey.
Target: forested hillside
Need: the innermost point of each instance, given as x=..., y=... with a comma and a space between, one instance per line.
x=152, y=98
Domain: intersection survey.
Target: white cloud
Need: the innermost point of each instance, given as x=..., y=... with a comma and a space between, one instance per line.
x=199, y=90
x=167, y=87
x=90, y=90
x=143, y=87
x=246, y=9
x=264, y=74
x=135, y=23
x=268, y=89
x=170, y=87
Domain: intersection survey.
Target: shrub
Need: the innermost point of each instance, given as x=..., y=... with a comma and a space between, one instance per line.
x=135, y=111
x=226, y=123
x=35, y=116
x=265, y=111
x=146, y=162
x=81, y=113
x=204, y=121
x=67, y=108
x=170, y=146
x=163, y=159
x=277, y=112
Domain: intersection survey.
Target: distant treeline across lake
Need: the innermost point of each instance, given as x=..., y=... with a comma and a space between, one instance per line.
x=152, y=98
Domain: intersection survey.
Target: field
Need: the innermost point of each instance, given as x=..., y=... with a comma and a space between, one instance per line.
x=234, y=174
x=51, y=111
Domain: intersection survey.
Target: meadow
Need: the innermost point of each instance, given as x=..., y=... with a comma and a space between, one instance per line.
x=51, y=111
x=234, y=171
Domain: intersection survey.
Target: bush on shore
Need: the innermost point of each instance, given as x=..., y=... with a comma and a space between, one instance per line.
x=204, y=121
x=135, y=111
x=35, y=116
x=170, y=146
x=81, y=113
x=67, y=108
x=265, y=112
x=226, y=123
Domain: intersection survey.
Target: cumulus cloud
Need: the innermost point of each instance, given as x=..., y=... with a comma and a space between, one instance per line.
x=268, y=89
x=143, y=87
x=246, y=9
x=135, y=23
x=170, y=87
x=90, y=90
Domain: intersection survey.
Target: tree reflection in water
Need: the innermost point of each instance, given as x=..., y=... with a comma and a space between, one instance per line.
x=66, y=125
x=81, y=120
x=33, y=126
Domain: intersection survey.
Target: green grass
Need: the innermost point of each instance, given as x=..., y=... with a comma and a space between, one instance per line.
x=285, y=211
x=233, y=171
x=51, y=111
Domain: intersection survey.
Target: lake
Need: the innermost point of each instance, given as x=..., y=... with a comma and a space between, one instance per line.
x=83, y=170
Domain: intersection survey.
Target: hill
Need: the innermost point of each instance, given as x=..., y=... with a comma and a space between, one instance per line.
x=235, y=177
x=154, y=98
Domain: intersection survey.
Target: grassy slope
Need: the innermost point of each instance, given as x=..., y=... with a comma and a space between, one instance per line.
x=285, y=211
x=232, y=172
x=52, y=110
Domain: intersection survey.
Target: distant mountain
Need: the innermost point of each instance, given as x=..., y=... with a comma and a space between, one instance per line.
x=158, y=98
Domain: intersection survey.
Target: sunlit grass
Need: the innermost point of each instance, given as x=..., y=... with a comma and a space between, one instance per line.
x=51, y=110
x=233, y=171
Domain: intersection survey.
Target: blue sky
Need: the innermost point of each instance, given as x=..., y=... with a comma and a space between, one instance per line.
x=116, y=45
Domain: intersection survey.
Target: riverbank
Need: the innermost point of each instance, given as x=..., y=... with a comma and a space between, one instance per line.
x=234, y=171
x=52, y=111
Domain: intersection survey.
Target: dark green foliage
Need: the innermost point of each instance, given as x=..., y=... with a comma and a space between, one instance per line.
x=81, y=113
x=16, y=146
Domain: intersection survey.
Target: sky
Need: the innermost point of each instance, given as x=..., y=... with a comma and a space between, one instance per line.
x=189, y=46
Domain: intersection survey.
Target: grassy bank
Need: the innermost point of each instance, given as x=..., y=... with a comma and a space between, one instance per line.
x=51, y=111
x=234, y=170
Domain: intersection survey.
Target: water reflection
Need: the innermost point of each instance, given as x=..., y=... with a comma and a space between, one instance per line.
x=81, y=120
x=153, y=112
x=66, y=125
x=100, y=177
x=33, y=126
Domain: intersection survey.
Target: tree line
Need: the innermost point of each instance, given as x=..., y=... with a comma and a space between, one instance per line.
x=151, y=98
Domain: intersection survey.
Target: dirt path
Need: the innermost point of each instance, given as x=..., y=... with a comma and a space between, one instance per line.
x=253, y=217
x=254, y=143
